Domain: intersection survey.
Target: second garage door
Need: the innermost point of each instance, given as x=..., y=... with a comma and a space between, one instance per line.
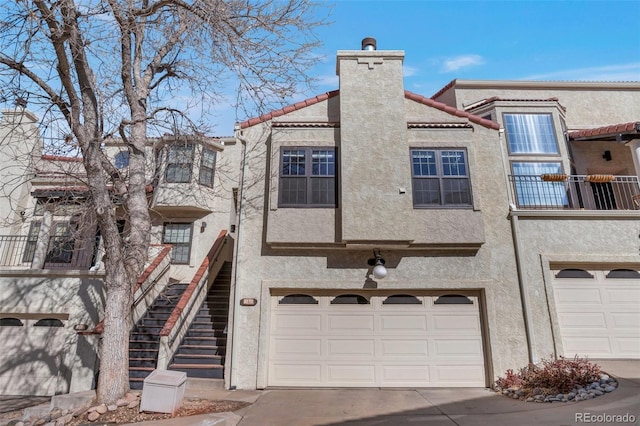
x=394, y=340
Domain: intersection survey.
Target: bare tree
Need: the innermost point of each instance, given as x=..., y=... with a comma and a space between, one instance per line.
x=134, y=68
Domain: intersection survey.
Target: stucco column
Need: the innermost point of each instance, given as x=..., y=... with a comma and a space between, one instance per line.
x=634, y=145
x=43, y=240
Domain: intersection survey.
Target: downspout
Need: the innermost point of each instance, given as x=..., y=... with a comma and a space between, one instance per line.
x=244, y=142
x=515, y=234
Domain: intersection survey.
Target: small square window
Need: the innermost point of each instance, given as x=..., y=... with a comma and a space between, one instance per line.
x=179, y=236
x=307, y=177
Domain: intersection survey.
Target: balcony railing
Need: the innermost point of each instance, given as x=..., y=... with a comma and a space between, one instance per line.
x=62, y=252
x=576, y=192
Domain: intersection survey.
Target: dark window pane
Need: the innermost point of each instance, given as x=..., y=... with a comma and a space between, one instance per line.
x=298, y=299
x=426, y=192
x=623, y=273
x=323, y=191
x=573, y=273
x=10, y=322
x=121, y=159
x=350, y=299
x=293, y=162
x=32, y=242
x=453, y=163
x=424, y=163
x=49, y=322
x=207, y=166
x=402, y=299
x=179, y=236
x=456, y=191
x=323, y=162
x=179, y=163
x=293, y=191
x=453, y=299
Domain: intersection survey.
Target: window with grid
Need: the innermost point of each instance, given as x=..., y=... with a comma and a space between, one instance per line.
x=207, y=167
x=440, y=177
x=530, y=134
x=179, y=236
x=307, y=177
x=179, y=163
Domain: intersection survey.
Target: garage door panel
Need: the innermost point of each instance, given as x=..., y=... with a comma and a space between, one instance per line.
x=351, y=347
x=404, y=375
x=457, y=375
x=350, y=373
x=404, y=348
x=582, y=320
x=346, y=324
x=603, y=326
x=299, y=324
x=287, y=374
x=406, y=323
x=394, y=344
x=457, y=348
x=451, y=322
x=294, y=348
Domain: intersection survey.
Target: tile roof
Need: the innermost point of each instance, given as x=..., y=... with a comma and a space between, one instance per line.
x=60, y=158
x=407, y=94
x=612, y=130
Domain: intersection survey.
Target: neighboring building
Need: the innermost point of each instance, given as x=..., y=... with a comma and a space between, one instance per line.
x=507, y=214
x=379, y=238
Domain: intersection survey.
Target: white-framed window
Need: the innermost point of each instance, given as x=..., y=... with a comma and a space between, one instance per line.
x=179, y=236
x=179, y=163
x=207, y=167
x=530, y=134
x=440, y=178
x=307, y=177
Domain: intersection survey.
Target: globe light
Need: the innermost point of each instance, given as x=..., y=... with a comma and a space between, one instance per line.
x=379, y=272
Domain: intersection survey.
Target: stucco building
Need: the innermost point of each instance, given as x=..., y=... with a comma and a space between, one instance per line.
x=371, y=236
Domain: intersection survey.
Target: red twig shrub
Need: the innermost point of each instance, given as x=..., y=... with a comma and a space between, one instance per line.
x=552, y=376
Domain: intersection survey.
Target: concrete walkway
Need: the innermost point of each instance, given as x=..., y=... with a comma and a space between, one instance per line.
x=427, y=406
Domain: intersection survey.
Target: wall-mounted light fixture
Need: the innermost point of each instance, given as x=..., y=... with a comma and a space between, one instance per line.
x=607, y=155
x=203, y=226
x=379, y=270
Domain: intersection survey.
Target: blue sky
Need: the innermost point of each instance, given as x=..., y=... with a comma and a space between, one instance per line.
x=485, y=40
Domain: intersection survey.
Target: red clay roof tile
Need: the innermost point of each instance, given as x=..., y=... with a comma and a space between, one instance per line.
x=407, y=94
x=632, y=127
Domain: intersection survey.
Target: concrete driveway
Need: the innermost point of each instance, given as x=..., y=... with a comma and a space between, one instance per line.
x=436, y=406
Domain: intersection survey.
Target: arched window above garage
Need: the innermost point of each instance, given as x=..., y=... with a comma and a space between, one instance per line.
x=623, y=273
x=402, y=299
x=453, y=299
x=350, y=299
x=298, y=299
x=573, y=273
x=10, y=322
x=49, y=322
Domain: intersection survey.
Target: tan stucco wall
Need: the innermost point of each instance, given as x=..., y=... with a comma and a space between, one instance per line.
x=604, y=240
x=69, y=361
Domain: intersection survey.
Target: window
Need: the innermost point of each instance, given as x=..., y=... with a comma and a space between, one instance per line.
x=121, y=160
x=350, y=299
x=207, y=166
x=179, y=163
x=453, y=299
x=179, y=236
x=49, y=322
x=32, y=242
x=440, y=178
x=532, y=191
x=402, y=299
x=10, y=322
x=298, y=299
x=61, y=243
x=308, y=177
x=530, y=134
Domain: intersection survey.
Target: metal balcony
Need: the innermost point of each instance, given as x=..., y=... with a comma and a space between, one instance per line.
x=575, y=192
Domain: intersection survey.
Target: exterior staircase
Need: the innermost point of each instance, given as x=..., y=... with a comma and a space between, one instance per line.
x=202, y=351
x=144, y=339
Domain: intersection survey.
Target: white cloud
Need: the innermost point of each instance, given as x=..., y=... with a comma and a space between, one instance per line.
x=454, y=64
x=408, y=71
x=621, y=72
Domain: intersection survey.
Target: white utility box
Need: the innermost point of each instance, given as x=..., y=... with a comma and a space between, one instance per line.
x=162, y=391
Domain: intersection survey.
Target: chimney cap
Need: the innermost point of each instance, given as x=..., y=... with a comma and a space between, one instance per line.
x=369, y=43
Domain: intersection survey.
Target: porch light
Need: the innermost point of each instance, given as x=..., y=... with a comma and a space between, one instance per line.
x=379, y=270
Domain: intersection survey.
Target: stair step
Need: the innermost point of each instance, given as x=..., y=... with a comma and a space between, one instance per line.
x=140, y=372
x=144, y=337
x=201, y=350
x=142, y=362
x=198, y=359
x=204, y=371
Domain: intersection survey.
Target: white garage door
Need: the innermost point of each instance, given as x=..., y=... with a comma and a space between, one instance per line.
x=599, y=312
x=375, y=341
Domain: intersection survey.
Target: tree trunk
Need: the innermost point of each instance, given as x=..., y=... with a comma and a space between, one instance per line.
x=113, y=382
